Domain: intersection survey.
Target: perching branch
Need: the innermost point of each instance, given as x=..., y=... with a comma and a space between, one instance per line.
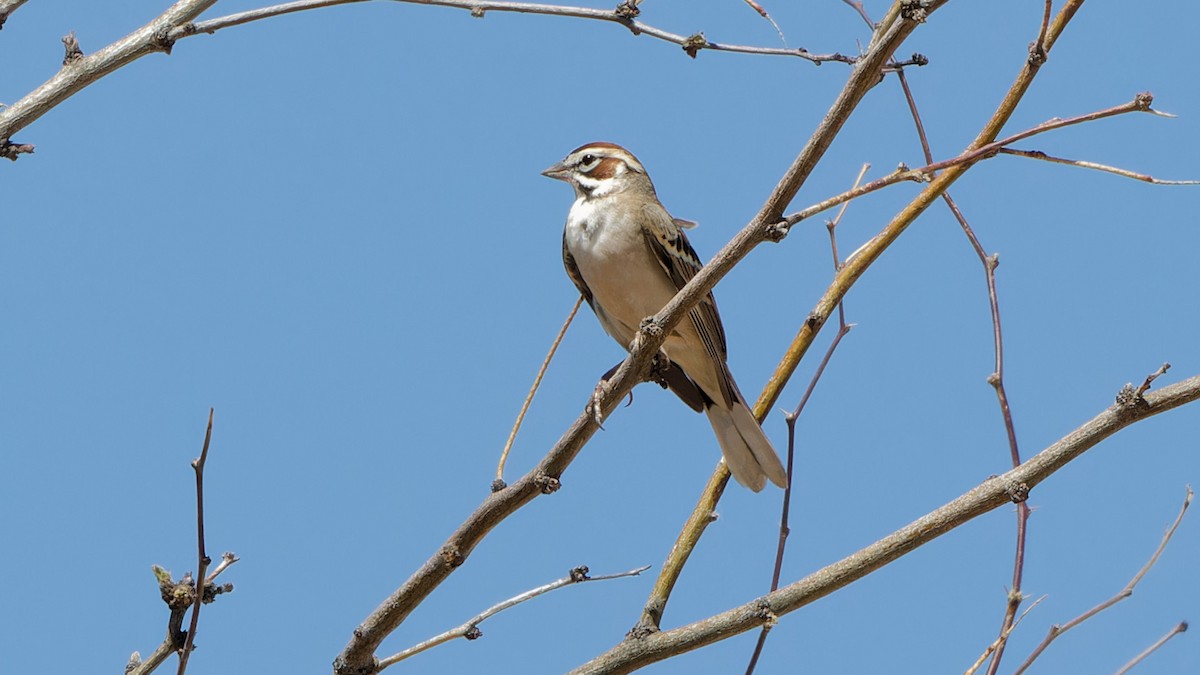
x=470, y=629
x=634, y=652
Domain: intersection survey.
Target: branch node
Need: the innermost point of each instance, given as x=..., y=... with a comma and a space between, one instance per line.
x=1037, y=54
x=473, y=633
x=765, y=614
x=579, y=574
x=478, y=13
x=628, y=10
x=1017, y=492
x=163, y=41
x=814, y=321
x=914, y=10
x=992, y=262
x=777, y=231
x=452, y=556
x=547, y=484
x=73, y=52
x=645, y=629
x=498, y=485
x=1143, y=101
x=650, y=328
x=694, y=44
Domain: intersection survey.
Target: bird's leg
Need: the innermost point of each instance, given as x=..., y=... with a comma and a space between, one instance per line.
x=594, y=406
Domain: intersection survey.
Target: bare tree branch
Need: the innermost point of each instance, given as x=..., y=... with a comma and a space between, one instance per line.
x=82, y=71
x=203, y=560
x=1181, y=627
x=1057, y=630
x=7, y=7
x=479, y=8
x=470, y=629
x=1083, y=164
x=635, y=652
x=177, y=23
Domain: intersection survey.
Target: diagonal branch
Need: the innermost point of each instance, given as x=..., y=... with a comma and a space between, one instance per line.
x=634, y=653
x=84, y=70
x=470, y=629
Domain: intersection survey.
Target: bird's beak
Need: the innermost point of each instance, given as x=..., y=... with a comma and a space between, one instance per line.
x=558, y=172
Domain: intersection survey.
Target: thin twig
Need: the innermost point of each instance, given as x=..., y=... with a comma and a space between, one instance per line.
x=1145, y=385
x=763, y=13
x=470, y=629
x=537, y=382
x=690, y=43
x=1000, y=640
x=203, y=559
x=790, y=417
x=1140, y=103
x=1083, y=164
x=1180, y=627
x=1057, y=630
x=991, y=494
x=996, y=379
x=858, y=7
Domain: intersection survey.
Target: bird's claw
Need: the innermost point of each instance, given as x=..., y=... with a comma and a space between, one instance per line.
x=595, y=407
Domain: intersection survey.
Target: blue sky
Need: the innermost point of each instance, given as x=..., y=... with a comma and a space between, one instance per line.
x=330, y=227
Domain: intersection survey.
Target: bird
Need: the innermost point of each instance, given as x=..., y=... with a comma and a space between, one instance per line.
x=628, y=257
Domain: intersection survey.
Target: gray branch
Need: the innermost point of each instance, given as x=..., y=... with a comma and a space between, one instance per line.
x=991, y=494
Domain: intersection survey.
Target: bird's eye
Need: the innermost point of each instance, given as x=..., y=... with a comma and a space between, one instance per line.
x=587, y=159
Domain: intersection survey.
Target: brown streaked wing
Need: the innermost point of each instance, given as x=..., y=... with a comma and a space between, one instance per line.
x=677, y=257
x=573, y=273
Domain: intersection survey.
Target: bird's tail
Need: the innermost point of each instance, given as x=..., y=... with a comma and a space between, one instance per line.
x=748, y=452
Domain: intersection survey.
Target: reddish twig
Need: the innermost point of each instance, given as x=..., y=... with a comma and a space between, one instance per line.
x=1057, y=630
x=790, y=418
x=204, y=560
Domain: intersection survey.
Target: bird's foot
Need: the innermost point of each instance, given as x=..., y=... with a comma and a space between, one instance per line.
x=595, y=407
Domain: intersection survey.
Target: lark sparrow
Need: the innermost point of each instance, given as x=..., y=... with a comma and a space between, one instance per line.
x=629, y=257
